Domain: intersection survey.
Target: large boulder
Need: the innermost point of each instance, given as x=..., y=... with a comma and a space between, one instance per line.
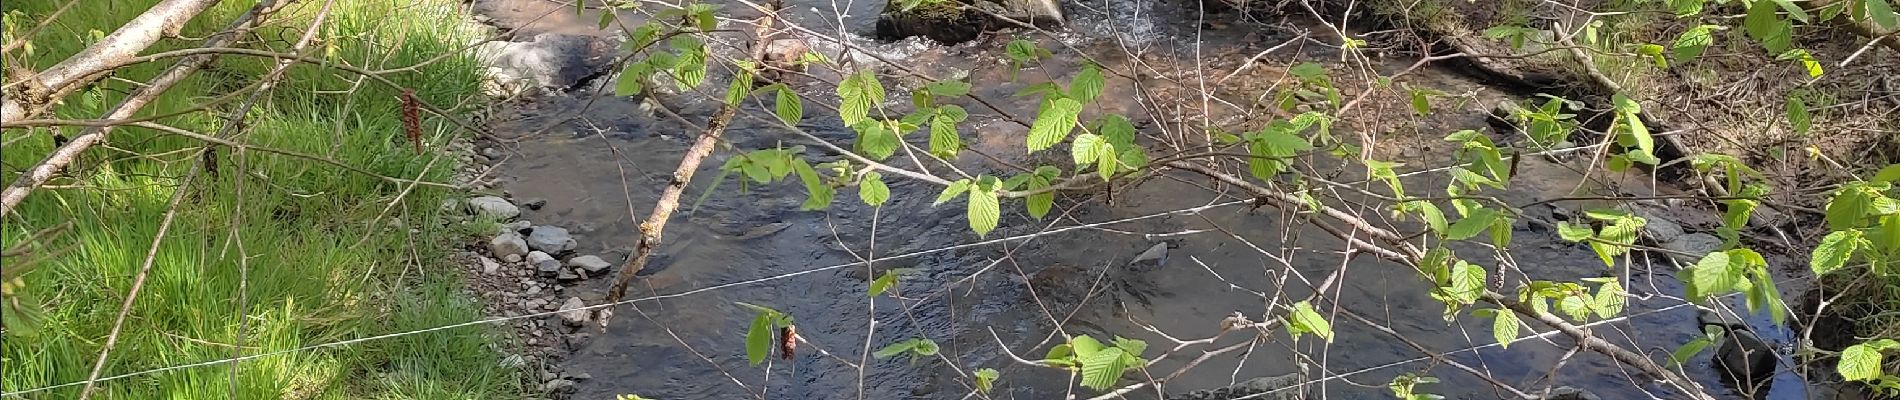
x=957, y=21
x=545, y=62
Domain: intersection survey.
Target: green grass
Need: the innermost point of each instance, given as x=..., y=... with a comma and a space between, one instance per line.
x=320, y=269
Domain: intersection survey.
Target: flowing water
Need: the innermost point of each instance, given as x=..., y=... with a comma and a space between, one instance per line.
x=980, y=302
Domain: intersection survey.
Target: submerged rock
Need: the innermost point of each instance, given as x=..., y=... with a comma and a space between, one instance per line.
x=1690, y=248
x=1570, y=393
x=550, y=239
x=589, y=263
x=1281, y=387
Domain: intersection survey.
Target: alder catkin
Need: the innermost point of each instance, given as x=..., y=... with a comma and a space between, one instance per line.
x=412, y=118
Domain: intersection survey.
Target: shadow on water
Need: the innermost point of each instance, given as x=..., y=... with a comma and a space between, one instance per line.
x=600, y=170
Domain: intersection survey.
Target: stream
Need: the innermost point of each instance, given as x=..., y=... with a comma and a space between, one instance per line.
x=600, y=161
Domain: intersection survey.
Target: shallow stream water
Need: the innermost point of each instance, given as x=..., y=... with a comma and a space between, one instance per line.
x=601, y=170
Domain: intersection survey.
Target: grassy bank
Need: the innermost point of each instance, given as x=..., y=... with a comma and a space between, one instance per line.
x=324, y=260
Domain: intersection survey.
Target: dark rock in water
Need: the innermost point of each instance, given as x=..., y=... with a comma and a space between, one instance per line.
x=551, y=239
x=1743, y=359
x=534, y=203
x=964, y=20
x=1154, y=257
x=1282, y=387
x=1570, y=393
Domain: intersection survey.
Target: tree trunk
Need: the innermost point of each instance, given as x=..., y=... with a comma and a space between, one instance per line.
x=957, y=21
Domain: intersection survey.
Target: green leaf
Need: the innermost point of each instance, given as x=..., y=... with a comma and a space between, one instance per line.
x=1132, y=347
x=1610, y=300
x=758, y=339
x=1655, y=53
x=790, y=108
x=1085, y=149
x=858, y=93
x=1085, y=346
x=741, y=87
x=1040, y=203
x=1794, y=10
x=1504, y=327
x=1105, y=163
x=1053, y=124
x=950, y=193
x=985, y=379
x=1022, y=51
x=1889, y=174
x=983, y=211
x=1688, y=350
x=948, y=88
x=1101, y=369
x=1761, y=20
x=1692, y=42
x=1798, y=115
x=872, y=190
x=925, y=347
x=1834, y=251
x=1272, y=148
x=1713, y=275
x=1421, y=102
x=1087, y=84
x=1467, y=282
x=944, y=140
x=818, y=193
x=631, y=76
x=1861, y=362
x=1471, y=225
x=875, y=141
x=1882, y=14
x=1807, y=61
x=1574, y=232
x=1848, y=207
x=1576, y=306
x=1302, y=319
x=893, y=349
x=1433, y=217
x=1118, y=131
x=883, y=283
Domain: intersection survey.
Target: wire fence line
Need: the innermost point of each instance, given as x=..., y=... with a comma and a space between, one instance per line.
x=348, y=342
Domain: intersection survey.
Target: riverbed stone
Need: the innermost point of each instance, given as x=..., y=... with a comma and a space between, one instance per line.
x=1690, y=248
x=1656, y=225
x=589, y=263
x=558, y=386
x=551, y=239
x=543, y=262
x=534, y=203
x=489, y=266
x=1256, y=388
x=572, y=312
x=516, y=227
x=1570, y=393
x=508, y=244
x=494, y=207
